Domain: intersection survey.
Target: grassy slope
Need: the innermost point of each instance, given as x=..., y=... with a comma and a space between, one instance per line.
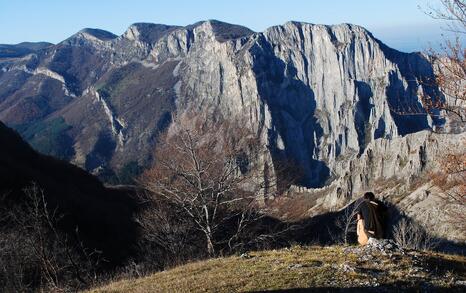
x=303, y=267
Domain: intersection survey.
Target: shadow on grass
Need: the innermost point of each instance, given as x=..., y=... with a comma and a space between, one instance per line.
x=395, y=287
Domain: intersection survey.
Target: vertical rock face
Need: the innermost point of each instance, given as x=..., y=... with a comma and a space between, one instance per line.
x=320, y=97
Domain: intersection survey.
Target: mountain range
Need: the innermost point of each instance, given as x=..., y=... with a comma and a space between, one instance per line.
x=329, y=99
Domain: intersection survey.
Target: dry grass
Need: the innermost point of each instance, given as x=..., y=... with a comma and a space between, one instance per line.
x=303, y=267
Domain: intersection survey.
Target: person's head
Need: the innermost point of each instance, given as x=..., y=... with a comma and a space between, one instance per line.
x=369, y=196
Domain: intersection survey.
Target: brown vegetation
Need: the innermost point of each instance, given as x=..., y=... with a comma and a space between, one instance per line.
x=451, y=179
x=317, y=269
x=410, y=235
x=209, y=173
x=450, y=78
x=450, y=63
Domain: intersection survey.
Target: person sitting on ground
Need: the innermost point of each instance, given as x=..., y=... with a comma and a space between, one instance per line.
x=370, y=218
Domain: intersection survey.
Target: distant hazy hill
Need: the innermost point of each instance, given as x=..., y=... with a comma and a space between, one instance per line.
x=21, y=49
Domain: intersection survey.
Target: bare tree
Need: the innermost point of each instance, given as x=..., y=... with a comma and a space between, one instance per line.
x=410, y=235
x=449, y=62
x=451, y=79
x=168, y=237
x=451, y=179
x=35, y=221
x=37, y=254
x=15, y=262
x=452, y=11
x=346, y=222
x=208, y=170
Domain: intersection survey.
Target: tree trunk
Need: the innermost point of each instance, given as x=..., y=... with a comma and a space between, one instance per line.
x=210, y=245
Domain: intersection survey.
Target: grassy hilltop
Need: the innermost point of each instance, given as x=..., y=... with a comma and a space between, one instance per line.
x=307, y=269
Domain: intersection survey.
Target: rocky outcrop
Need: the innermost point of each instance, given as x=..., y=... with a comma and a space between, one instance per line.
x=375, y=246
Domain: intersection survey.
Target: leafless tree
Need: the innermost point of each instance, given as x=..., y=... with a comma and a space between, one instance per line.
x=452, y=11
x=449, y=62
x=451, y=79
x=35, y=221
x=346, y=223
x=410, y=235
x=208, y=170
x=168, y=237
x=451, y=179
x=14, y=263
x=38, y=254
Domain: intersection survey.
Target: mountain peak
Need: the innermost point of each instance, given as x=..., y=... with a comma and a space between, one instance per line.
x=90, y=35
x=98, y=34
x=334, y=27
x=147, y=32
x=224, y=31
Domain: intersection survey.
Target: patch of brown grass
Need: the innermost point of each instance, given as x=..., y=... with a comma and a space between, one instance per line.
x=299, y=267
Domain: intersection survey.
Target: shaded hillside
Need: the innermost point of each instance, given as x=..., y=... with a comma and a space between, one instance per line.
x=103, y=216
x=307, y=269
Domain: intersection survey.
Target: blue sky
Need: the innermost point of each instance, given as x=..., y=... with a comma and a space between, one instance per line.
x=399, y=23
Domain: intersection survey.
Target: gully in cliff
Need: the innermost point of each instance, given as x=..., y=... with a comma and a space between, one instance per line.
x=371, y=218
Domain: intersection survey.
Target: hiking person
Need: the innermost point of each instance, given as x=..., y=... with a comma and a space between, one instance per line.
x=370, y=218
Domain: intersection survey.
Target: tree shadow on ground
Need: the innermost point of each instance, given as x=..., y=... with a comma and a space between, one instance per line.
x=395, y=287
x=324, y=230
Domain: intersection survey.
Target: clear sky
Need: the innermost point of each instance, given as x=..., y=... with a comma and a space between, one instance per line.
x=399, y=23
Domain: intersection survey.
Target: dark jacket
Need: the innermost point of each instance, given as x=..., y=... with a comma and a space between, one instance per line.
x=373, y=213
